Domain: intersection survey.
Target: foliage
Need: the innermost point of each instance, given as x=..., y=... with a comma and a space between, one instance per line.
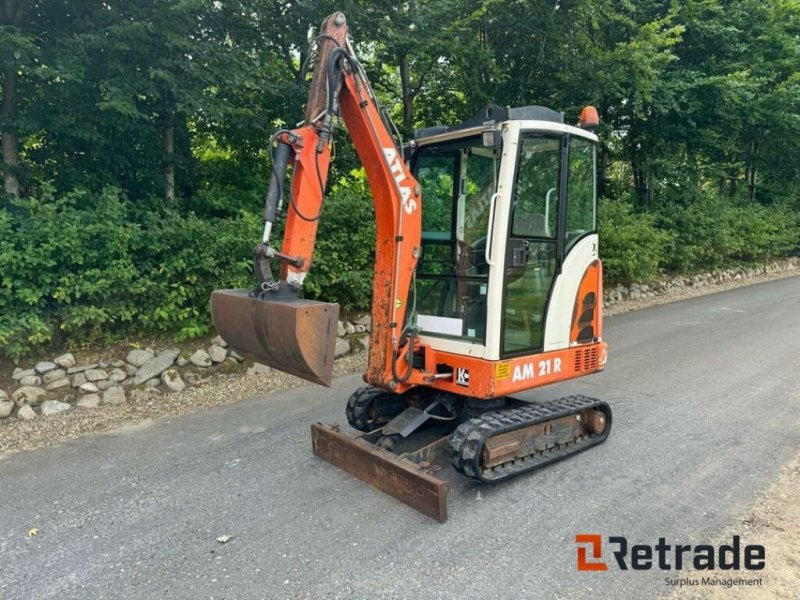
x=631, y=246
x=344, y=255
x=712, y=232
x=84, y=266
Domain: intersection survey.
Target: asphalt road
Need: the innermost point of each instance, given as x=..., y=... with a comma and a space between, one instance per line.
x=705, y=397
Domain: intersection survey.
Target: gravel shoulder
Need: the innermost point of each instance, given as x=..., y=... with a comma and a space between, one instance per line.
x=774, y=522
x=16, y=435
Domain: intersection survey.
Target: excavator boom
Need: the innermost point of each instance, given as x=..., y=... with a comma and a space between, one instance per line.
x=272, y=324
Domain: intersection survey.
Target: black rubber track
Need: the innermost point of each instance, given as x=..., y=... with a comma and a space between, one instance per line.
x=369, y=408
x=469, y=438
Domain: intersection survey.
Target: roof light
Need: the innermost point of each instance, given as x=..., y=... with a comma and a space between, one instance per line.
x=589, y=118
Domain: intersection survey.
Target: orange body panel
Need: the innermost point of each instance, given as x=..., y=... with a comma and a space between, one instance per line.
x=491, y=379
x=588, y=311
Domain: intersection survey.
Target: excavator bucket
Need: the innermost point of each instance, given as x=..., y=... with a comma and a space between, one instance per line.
x=292, y=335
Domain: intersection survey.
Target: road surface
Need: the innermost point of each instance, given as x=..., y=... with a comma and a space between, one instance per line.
x=705, y=397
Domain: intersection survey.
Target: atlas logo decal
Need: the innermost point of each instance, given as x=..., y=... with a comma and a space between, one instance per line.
x=668, y=557
x=396, y=167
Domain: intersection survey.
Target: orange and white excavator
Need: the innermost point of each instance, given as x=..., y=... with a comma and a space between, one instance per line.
x=487, y=283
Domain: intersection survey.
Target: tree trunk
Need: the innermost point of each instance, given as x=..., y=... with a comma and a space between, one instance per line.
x=752, y=173
x=169, y=164
x=12, y=15
x=10, y=141
x=408, y=95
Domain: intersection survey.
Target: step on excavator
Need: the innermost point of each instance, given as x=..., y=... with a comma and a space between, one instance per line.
x=487, y=283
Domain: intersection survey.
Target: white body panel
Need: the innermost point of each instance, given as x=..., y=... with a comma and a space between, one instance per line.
x=558, y=323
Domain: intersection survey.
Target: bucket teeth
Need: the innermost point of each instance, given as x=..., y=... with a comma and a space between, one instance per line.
x=289, y=334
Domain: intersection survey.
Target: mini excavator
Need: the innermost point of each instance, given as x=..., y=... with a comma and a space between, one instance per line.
x=487, y=283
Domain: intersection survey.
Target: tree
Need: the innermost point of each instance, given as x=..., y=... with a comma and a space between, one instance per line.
x=16, y=49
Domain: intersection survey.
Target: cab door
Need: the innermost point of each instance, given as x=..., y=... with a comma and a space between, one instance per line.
x=551, y=242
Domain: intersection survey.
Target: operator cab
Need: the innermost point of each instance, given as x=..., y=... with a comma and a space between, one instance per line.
x=509, y=218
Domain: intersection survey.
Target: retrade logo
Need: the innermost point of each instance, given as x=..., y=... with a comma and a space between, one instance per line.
x=667, y=557
x=595, y=543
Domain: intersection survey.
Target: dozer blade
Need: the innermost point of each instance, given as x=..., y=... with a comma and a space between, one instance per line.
x=395, y=475
x=292, y=335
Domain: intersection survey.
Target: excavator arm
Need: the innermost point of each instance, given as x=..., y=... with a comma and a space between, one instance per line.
x=272, y=324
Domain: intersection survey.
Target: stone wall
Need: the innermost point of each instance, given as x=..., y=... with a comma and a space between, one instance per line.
x=637, y=291
x=54, y=386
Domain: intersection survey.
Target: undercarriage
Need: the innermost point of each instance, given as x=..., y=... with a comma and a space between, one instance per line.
x=410, y=441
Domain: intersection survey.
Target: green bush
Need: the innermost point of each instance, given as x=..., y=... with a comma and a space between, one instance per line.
x=344, y=256
x=89, y=266
x=631, y=245
x=713, y=232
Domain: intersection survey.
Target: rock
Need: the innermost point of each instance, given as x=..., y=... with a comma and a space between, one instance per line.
x=89, y=401
x=44, y=366
x=105, y=384
x=342, y=347
x=340, y=331
x=51, y=376
x=64, y=396
x=258, y=369
x=218, y=341
x=28, y=394
x=172, y=379
x=53, y=407
x=58, y=384
x=182, y=362
x=217, y=353
x=96, y=375
x=117, y=375
x=81, y=369
x=31, y=380
x=114, y=395
x=349, y=328
x=138, y=358
x=65, y=361
x=26, y=413
x=118, y=364
x=6, y=406
x=200, y=358
x=360, y=328
x=366, y=321
x=130, y=370
x=236, y=356
x=155, y=366
x=153, y=383
x=196, y=378
x=78, y=379
x=20, y=373
x=88, y=388
x=359, y=343
x=229, y=366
